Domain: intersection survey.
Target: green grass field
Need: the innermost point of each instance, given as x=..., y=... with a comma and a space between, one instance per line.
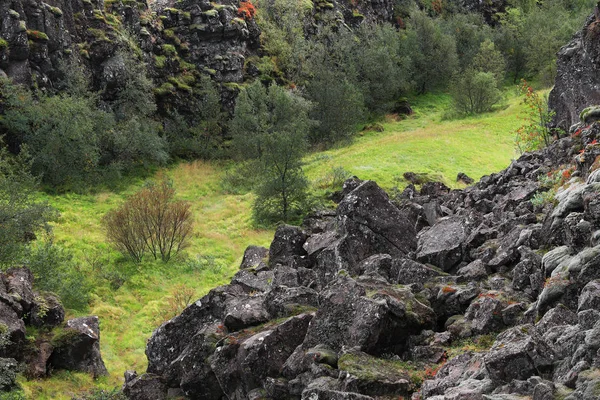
x=424, y=142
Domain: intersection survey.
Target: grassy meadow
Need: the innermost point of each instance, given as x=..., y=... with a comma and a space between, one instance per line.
x=132, y=300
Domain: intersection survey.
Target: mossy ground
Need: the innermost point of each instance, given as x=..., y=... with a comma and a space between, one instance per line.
x=223, y=227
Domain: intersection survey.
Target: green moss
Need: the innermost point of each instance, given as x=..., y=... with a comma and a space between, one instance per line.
x=3, y=44
x=232, y=86
x=165, y=89
x=357, y=14
x=98, y=34
x=84, y=53
x=14, y=14
x=160, y=61
x=186, y=66
x=63, y=336
x=180, y=84
x=211, y=13
x=172, y=10
x=368, y=368
x=57, y=12
x=37, y=35
x=198, y=27
x=210, y=71
x=169, y=49
x=22, y=26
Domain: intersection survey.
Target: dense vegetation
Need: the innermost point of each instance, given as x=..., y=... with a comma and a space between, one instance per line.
x=315, y=88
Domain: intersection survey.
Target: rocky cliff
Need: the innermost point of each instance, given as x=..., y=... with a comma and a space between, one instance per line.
x=436, y=294
x=577, y=84
x=179, y=40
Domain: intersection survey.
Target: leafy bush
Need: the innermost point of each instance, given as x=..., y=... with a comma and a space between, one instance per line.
x=475, y=92
x=150, y=220
x=535, y=133
x=21, y=214
x=55, y=271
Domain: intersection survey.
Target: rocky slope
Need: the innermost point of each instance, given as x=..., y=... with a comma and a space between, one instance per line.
x=489, y=292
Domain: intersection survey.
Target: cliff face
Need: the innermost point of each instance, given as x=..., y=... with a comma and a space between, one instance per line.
x=178, y=40
x=577, y=84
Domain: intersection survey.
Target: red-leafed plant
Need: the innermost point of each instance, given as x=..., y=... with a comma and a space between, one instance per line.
x=535, y=133
x=246, y=10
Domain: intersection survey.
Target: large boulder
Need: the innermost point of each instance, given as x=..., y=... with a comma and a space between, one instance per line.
x=518, y=353
x=77, y=347
x=442, y=244
x=372, y=224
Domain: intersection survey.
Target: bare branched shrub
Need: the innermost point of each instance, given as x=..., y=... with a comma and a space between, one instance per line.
x=180, y=297
x=150, y=221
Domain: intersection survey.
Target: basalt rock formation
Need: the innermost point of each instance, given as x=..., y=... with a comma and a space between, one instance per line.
x=179, y=41
x=577, y=81
x=488, y=292
x=74, y=345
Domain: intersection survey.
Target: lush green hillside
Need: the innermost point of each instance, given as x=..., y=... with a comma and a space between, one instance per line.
x=422, y=143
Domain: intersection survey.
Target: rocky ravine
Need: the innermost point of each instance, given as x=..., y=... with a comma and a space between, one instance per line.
x=370, y=299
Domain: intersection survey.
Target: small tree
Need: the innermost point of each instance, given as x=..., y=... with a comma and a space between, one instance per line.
x=270, y=126
x=535, y=133
x=21, y=214
x=475, y=92
x=150, y=220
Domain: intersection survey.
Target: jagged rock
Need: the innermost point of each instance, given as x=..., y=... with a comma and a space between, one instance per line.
x=371, y=224
x=19, y=284
x=37, y=366
x=557, y=316
x=474, y=271
x=406, y=272
x=144, y=387
x=47, y=310
x=372, y=317
x=380, y=264
x=485, y=314
x=241, y=365
x=590, y=296
x=518, y=353
x=467, y=366
x=14, y=328
x=373, y=377
x=462, y=177
x=287, y=246
x=242, y=312
x=555, y=257
x=253, y=281
x=283, y=301
x=254, y=257
x=8, y=373
x=588, y=318
x=77, y=347
x=441, y=245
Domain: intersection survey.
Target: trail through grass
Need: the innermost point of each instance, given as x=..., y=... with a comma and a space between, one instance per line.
x=129, y=313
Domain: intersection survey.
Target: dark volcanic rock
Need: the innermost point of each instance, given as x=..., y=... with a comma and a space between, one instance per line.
x=441, y=245
x=144, y=387
x=77, y=347
x=518, y=353
x=577, y=77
